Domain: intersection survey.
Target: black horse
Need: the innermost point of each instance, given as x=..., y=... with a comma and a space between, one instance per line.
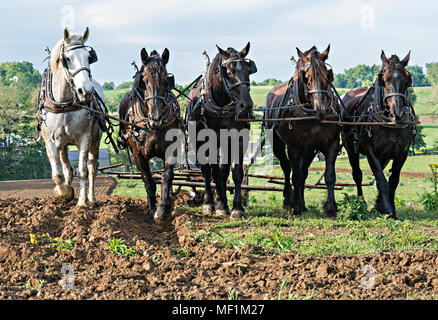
x=386, y=101
x=150, y=104
x=308, y=95
x=216, y=103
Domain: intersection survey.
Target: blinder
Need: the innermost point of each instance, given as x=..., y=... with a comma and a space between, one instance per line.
x=93, y=56
x=252, y=67
x=170, y=81
x=330, y=75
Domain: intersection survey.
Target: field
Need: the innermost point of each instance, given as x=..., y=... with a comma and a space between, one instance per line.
x=117, y=252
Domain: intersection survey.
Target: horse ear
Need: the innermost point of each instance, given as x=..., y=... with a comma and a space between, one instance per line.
x=66, y=35
x=144, y=56
x=384, y=58
x=223, y=53
x=245, y=50
x=85, y=35
x=323, y=56
x=302, y=56
x=405, y=61
x=165, y=56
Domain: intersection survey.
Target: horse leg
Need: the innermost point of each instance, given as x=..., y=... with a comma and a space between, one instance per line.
x=307, y=161
x=238, y=211
x=394, y=178
x=208, y=206
x=57, y=175
x=149, y=184
x=222, y=209
x=165, y=206
x=93, y=157
x=383, y=204
x=296, y=160
x=68, y=171
x=330, y=206
x=83, y=173
x=353, y=158
x=279, y=148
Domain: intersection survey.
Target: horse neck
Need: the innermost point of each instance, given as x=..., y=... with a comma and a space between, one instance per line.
x=61, y=88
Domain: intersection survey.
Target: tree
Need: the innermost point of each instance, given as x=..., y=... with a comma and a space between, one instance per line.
x=418, y=77
x=125, y=85
x=108, y=86
x=20, y=157
x=432, y=72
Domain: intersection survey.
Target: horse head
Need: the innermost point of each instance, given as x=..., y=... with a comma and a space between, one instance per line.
x=314, y=79
x=156, y=85
x=234, y=70
x=395, y=80
x=75, y=58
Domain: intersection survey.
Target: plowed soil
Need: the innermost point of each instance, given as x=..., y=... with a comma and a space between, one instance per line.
x=43, y=188
x=171, y=264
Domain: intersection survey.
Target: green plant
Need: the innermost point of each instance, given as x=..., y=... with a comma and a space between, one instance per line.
x=233, y=295
x=36, y=284
x=353, y=208
x=60, y=245
x=430, y=199
x=119, y=249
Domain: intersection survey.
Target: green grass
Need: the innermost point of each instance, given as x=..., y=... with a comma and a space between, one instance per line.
x=423, y=105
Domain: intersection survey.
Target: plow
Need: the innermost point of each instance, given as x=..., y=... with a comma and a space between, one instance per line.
x=193, y=179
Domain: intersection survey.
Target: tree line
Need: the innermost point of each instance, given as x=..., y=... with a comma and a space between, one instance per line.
x=364, y=75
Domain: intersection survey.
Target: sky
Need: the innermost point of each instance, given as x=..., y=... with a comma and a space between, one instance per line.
x=356, y=30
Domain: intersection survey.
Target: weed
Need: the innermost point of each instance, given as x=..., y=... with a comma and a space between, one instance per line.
x=35, y=285
x=430, y=199
x=233, y=295
x=60, y=245
x=119, y=248
x=353, y=208
x=181, y=251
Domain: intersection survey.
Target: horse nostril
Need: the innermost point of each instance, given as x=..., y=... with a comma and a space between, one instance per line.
x=81, y=91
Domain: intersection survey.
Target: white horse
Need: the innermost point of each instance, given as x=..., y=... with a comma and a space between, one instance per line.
x=70, y=80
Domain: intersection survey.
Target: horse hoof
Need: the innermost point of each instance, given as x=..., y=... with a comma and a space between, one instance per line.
x=238, y=215
x=162, y=214
x=65, y=193
x=93, y=204
x=222, y=213
x=207, y=209
x=82, y=204
x=287, y=207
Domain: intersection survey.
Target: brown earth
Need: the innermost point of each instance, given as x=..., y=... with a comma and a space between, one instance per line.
x=163, y=270
x=43, y=188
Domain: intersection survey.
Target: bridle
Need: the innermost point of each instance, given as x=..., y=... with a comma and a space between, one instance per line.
x=47, y=99
x=206, y=100
x=382, y=96
x=71, y=74
x=296, y=91
x=227, y=85
x=168, y=101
